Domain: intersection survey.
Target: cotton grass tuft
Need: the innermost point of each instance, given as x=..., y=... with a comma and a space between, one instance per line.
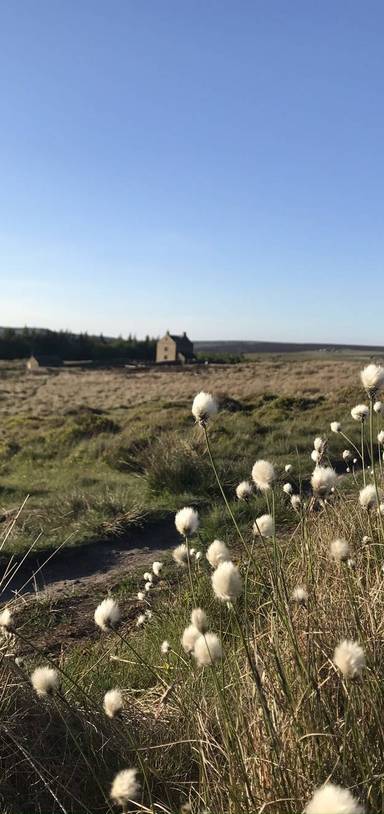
x=349, y=658
x=187, y=521
x=263, y=475
x=6, y=621
x=207, y=650
x=217, y=552
x=335, y=426
x=199, y=619
x=372, y=378
x=360, y=412
x=264, y=525
x=244, y=490
x=368, y=497
x=107, y=614
x=300, y=595
x=189, y=637
x=339, y=550
x=227, y=582
x=125, y=787
x=113, y=703
x=45, y=681
x=323, y=480
x=180, y=555
x=204, y=407
x=332, y=799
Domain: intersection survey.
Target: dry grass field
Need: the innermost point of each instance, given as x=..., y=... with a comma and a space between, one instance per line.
x=56, y=391
x=97, y=452
x=270, y=691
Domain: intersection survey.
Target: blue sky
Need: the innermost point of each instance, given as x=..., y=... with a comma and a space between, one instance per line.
x=199, y=165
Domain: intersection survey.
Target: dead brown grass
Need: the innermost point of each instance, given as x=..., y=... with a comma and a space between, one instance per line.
x=62, y=390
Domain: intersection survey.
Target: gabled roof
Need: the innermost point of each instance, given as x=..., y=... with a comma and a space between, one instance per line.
x=183, y=338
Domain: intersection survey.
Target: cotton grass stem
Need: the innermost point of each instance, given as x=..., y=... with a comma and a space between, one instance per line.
x=230, y=512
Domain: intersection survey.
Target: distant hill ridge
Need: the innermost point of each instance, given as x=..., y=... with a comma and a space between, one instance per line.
x=234, y=346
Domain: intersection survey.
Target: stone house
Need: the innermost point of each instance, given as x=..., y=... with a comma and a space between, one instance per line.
x=174, y=349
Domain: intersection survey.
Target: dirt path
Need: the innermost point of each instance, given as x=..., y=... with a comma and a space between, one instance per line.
x=99, y=564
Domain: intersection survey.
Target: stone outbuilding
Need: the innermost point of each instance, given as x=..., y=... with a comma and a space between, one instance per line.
x=172, y=349
x=39, y=360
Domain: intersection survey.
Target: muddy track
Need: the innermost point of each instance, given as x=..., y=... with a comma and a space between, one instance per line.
x=76, y=569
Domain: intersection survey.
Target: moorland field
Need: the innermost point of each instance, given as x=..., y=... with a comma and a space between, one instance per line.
x=94, y=464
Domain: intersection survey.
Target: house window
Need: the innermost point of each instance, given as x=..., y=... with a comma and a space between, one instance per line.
x=165, y=356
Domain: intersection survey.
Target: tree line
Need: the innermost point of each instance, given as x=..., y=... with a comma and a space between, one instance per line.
x=16, y=344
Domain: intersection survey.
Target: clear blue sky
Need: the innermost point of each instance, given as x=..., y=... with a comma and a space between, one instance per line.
x=212, y=166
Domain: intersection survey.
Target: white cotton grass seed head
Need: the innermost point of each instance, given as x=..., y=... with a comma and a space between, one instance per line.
x=125, y=787
x=349, y=658
x=347, y=455
x=296, y=502
x=315, y=455
x=360, y=412
x=192, y=552
x=148, y=586
x=217, y=552
x=372, y=378
x=300, y=595
x=288, y=467
x=180, y=555
x=19, y=661
x=264, y=526
x=141, y=619
x=141, y=596
x=148, y=613
x=204, y=407
x=45, y=680
x=165, y=647
x=288, y=488
x=339, y=550
x=147, y=576
x=323, y=479
x=188, y=639
x=335, y=426
x=368, y=497
x=332, y=799
x=187, y=521
x=351, y=563
x=378, y=406
x=198, y=556
x=207, y=650
x=244, y=490
x=113, y=703
x=380, y=437
x=227, y=582
x=263, y=475
x=157, y=568
x=318, y=443
x=6, y=621
x=199, y=619
x=107, y=614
